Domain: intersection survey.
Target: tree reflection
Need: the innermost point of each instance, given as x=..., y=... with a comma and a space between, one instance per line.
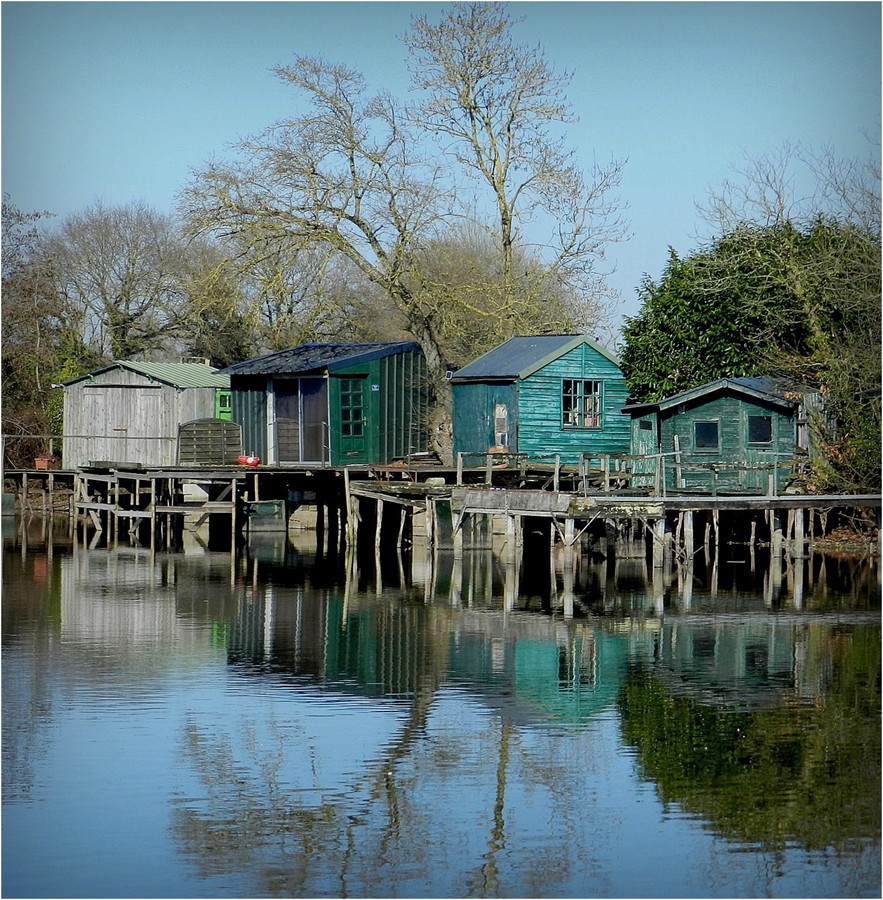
x=804, y=772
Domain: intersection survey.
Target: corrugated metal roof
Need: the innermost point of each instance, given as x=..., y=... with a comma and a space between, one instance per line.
x=770, y=389
x=180, y=375
x=316, y=357
x=520, y=357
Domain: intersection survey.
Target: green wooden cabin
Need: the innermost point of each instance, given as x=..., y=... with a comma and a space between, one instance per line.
x=540, y=396
x=727, y=436
x=332, y=404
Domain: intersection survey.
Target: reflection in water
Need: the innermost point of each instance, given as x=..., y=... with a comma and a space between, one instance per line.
x=424, y=726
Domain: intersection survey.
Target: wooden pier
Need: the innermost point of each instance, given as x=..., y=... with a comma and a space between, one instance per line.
x=458, y=507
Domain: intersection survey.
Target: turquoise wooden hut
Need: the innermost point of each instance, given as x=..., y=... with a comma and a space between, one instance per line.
x=540, y=396
x=332, y=404
x=726, y=436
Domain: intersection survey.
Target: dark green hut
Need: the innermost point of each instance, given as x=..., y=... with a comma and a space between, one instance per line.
x=541, y=395
x=332, y=404
x=726, y=436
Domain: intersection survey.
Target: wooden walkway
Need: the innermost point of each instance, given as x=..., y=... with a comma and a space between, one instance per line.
x=457, y=503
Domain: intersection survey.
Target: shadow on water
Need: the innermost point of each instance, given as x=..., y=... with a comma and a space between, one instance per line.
x=747, y=690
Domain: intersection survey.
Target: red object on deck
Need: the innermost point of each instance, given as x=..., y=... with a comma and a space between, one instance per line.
x=250, y=461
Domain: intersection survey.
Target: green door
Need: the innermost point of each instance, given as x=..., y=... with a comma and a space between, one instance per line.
x=353, y=418
x=760, y=442
x=645, y=446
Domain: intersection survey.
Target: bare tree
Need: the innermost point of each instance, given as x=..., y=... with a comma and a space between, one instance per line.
x=340, y=179
x=462, y=287
x=215, y=322
x=119, y=271
x=498, y=104
x=300, y=294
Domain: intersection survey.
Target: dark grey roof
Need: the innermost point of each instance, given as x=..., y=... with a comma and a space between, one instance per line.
x=772, y=390
x=316, y=358
x=520, y=357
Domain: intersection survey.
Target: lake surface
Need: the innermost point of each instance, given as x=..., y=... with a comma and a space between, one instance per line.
x=293, y=724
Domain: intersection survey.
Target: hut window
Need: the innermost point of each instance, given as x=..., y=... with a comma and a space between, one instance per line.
x=760, y=429
x=351, y=418
x=706, y=435
x=581, y=403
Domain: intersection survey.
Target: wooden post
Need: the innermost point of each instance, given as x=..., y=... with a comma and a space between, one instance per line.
x=510, y=588
x=489, y=470
x=687, y=516
x=797, y=587
x=403, y=514
x=459, y=469
x=510, y=532
x=457, y=533
x=685, y=582
x=557, y=478
x=658, y=532
x=568, y=565
x=797, y=545
x=715, y=518
x=776, y=533
x=667, y=540
x=428, y=524
x=379, y=524
x=348, y=507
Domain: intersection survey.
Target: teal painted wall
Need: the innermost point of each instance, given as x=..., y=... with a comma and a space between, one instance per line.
x=473, y=415
x=731, y=413
x=541, y=430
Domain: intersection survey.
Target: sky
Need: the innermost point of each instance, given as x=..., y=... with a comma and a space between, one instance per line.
x=122, y=102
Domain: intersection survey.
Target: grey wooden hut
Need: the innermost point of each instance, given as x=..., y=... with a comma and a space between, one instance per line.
x=333, y=404
x=541, y=395
x=729, y=435
x=131, y=412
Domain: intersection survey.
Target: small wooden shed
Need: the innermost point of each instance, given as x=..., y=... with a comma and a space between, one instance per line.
x=540, y=396
x=130, y=412
x=333, y=404
x=728, y=435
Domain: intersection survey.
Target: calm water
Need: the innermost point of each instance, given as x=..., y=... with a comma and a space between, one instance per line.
x=190, y=724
